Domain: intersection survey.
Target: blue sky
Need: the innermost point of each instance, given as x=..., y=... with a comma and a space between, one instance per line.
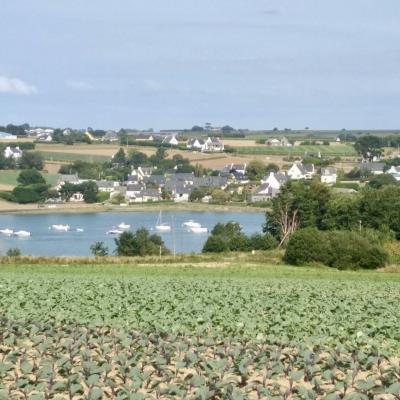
x=172, y=64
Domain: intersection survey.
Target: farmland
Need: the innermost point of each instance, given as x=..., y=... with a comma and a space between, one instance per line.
x=8, y=178
x=178, y=331
x=340, y=150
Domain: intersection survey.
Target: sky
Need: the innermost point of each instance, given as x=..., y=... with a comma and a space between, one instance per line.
x=160, y=64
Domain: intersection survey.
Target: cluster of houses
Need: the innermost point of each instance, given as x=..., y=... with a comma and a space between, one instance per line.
x=142, y=185
x=41, y=134
x=13, y=152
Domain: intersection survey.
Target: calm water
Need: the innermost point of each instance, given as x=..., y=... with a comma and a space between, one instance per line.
x=50, y=243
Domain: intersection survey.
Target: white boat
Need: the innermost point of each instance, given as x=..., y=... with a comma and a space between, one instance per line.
x=22, y=234
x=60, y=228
x=191, y=224
x=198, y=229
x=7, y=232
x=79, y=229
x=123, y=225
x=114, y=232
x=160, y=226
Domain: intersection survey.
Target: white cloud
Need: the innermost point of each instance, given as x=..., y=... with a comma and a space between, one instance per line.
x=78, y=84
x=15, y=86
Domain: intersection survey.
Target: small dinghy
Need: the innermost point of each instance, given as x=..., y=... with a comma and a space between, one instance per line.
x=191, y=224
x=79, y=229
x=60, y=228
x=123, y=225
x=198, y=229
x=22, y=234
x=114, y=232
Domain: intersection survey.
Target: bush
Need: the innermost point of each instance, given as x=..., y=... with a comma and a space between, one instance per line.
x=263, y=242
x=13, y=252
x=30, y=193
x=337, y=249
x=101, y=197
x=307, y=245
x=215, y=244
x=29, y=177
x=99, y=249
x=139, y=243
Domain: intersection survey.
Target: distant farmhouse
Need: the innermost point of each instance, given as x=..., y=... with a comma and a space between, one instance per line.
x=209, y=145
x=13, y=152
x=283, y=142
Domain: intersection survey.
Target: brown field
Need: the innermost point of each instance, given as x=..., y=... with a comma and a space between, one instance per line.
x=240, y=143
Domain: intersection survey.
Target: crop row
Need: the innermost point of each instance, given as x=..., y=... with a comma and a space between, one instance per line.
x=39, y=361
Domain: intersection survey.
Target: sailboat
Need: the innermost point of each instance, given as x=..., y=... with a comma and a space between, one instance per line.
x=160, y=226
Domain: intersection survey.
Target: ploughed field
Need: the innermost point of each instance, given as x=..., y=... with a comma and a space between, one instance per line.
x=184, y=332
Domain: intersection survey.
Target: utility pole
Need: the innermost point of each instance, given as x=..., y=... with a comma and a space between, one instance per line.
x=173, y=237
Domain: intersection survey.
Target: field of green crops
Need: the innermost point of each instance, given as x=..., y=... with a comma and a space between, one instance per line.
x=341, y=150
x=69, y=157
x=184, y=332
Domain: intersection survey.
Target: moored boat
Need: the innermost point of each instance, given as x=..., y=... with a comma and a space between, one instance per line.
x=191, y=224
x=22, y=233
x=198, y=229
x=162, y=226
x=122, y=225
x=60, y=228
x=7, y=232
x=114, y=232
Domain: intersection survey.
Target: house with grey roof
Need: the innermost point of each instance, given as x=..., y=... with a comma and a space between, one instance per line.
x=107, y=186
x=110, y=136
x=196, y=144
x=275, y=179
x=328, y=175
x=264, y=192
x=375, y=168
x=301, y=171
x=13, y=152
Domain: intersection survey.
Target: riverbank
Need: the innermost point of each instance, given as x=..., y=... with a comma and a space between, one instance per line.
x=14, y=208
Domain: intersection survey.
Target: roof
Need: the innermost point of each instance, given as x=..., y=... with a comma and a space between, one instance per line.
x=155, y=179
x=191, y=141
x=150, y=193
x=328, y=171
x=105, y=184
x=263, y=189
x=68, y=178
x=134, y=187
x=211, y=181
x=372, y=166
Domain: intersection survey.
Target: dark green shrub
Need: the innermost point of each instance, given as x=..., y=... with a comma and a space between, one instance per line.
x=337, y=249
x=307, y=245
x=263, y=242
x=215, y=244
x=15, y=252
x=139, y=243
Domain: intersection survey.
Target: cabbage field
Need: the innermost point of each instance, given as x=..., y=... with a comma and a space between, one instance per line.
x=183, y=332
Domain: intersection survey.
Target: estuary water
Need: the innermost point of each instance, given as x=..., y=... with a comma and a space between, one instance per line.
x=47, y=242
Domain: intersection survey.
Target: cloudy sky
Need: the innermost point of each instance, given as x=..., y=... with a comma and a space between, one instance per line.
x=176, y=63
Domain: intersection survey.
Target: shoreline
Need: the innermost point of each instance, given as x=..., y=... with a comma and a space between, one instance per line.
x=11, y=208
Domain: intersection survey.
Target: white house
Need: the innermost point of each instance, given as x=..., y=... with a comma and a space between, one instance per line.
x=107, y=186
x=395, y=172
x=13, y=152
x=196, y=144
x=328, y=175
x=170, y=140
x=237, y=168
x=274, y=142
x=63, y=179
x=275, y=179
x=44, y=137
x=214, y=145
x=263, y=192
x=301, y=171
x=375, y=168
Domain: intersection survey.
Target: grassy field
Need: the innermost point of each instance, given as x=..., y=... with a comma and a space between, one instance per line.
x=9, y=177
x=197, y=328
x=340, y=150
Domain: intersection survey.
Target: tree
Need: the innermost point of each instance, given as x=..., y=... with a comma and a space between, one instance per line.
x=137, y=159
x=31, y=160
x=227, y=128
x=119, y=157
x=139, y=243
x=197, y=128
x=30, y=193
x=256, y=169
x=30, y=176
x=196, y=194
x=99, y=249
x=369, y=146
x=298, y=205
x=219, y=196
x=382, y=180
x=14, y=252
x=89, y=190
